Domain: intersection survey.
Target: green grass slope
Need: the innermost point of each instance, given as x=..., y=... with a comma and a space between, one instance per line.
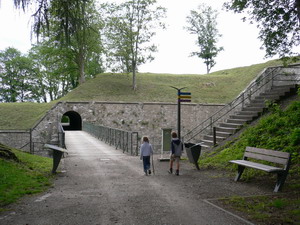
x=21, y=116
x=218, y=87
x=278, y=131
x=32, y=174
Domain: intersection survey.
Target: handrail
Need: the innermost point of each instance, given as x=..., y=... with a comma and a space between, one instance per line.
x=126, y=140
x=264, y=81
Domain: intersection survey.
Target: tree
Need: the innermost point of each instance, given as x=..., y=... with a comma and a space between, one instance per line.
x=278, y=21
x=17, y=77
x=57, y=73
x=203, y=23
x=129, y=28
x=70, y=24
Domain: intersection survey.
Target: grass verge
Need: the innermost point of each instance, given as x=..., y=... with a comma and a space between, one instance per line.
x=31, y=175
x=271, y=209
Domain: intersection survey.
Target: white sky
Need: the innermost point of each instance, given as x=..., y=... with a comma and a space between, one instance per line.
x=241, y=46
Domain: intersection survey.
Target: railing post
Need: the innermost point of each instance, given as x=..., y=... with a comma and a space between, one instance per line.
x=215, y=136
x=30, y=140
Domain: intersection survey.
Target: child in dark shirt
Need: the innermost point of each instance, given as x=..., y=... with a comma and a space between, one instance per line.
x=176, y=151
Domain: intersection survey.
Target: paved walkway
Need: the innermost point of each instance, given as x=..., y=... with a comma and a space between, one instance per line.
x=100, y=185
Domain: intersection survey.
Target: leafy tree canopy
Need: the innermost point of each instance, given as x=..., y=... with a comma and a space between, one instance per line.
x=203, y=23
x=278, y=21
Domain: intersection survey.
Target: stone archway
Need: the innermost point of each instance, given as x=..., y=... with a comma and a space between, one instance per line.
x=74, y=121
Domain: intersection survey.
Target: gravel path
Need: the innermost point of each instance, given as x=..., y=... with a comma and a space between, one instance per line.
x=101, y=185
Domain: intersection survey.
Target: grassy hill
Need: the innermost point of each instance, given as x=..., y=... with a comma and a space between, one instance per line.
x=218, y=87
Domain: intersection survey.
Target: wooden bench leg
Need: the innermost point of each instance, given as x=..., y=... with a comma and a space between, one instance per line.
x=240, y=172
x=281, y=177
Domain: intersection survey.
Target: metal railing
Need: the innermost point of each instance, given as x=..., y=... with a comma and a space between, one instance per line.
x=262, y=83
x=126, y=140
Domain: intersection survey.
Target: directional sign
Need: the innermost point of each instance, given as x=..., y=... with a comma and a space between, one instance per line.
x=184, y=96
x=185, y=93
x=185, y=100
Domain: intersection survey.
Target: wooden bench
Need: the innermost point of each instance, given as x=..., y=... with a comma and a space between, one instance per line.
x=57, y=154
x=277, y=157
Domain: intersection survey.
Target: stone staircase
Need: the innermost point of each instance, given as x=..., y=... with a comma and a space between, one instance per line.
x=247, y=114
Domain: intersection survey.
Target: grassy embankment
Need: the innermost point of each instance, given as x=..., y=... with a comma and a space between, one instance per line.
x=279, y=131
x=29, y=175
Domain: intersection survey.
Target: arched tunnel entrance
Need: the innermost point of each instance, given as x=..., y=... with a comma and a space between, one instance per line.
x=71, y=121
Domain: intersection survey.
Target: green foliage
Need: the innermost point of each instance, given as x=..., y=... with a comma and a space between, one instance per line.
x=29, y=176
x=268, y=209
x=278, y=22
x=203, y=23
x=278, y=131
x=129, y=28
x=17, y=77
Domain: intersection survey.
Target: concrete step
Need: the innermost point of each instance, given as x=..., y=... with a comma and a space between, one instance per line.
x=211, y=138
x=267, y=97
x=226, y=129
x=253, y=109
x=284, y=87
x=237, y=121
x=223, y=134
x=230, y=125
x=258, y=104
x=242, y=117
x=207, y=143
x=248, y=113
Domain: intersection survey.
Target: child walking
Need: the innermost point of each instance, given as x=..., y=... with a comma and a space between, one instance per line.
x=145, y=152
x=176, y=151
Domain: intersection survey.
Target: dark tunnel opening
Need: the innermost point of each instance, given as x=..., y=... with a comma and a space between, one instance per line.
x=72, y=121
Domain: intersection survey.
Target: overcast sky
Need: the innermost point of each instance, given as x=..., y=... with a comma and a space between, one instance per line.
x=241, y=46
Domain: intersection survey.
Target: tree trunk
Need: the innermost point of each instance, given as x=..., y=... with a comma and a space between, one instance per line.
x=134, y=86
x=81, y=67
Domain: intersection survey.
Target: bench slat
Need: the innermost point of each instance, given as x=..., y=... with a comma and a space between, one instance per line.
x=57, y=148
x=268, y=152
x=266, y=158
x=255, y=165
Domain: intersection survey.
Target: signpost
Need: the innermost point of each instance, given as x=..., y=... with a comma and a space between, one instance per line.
x=181, y=97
